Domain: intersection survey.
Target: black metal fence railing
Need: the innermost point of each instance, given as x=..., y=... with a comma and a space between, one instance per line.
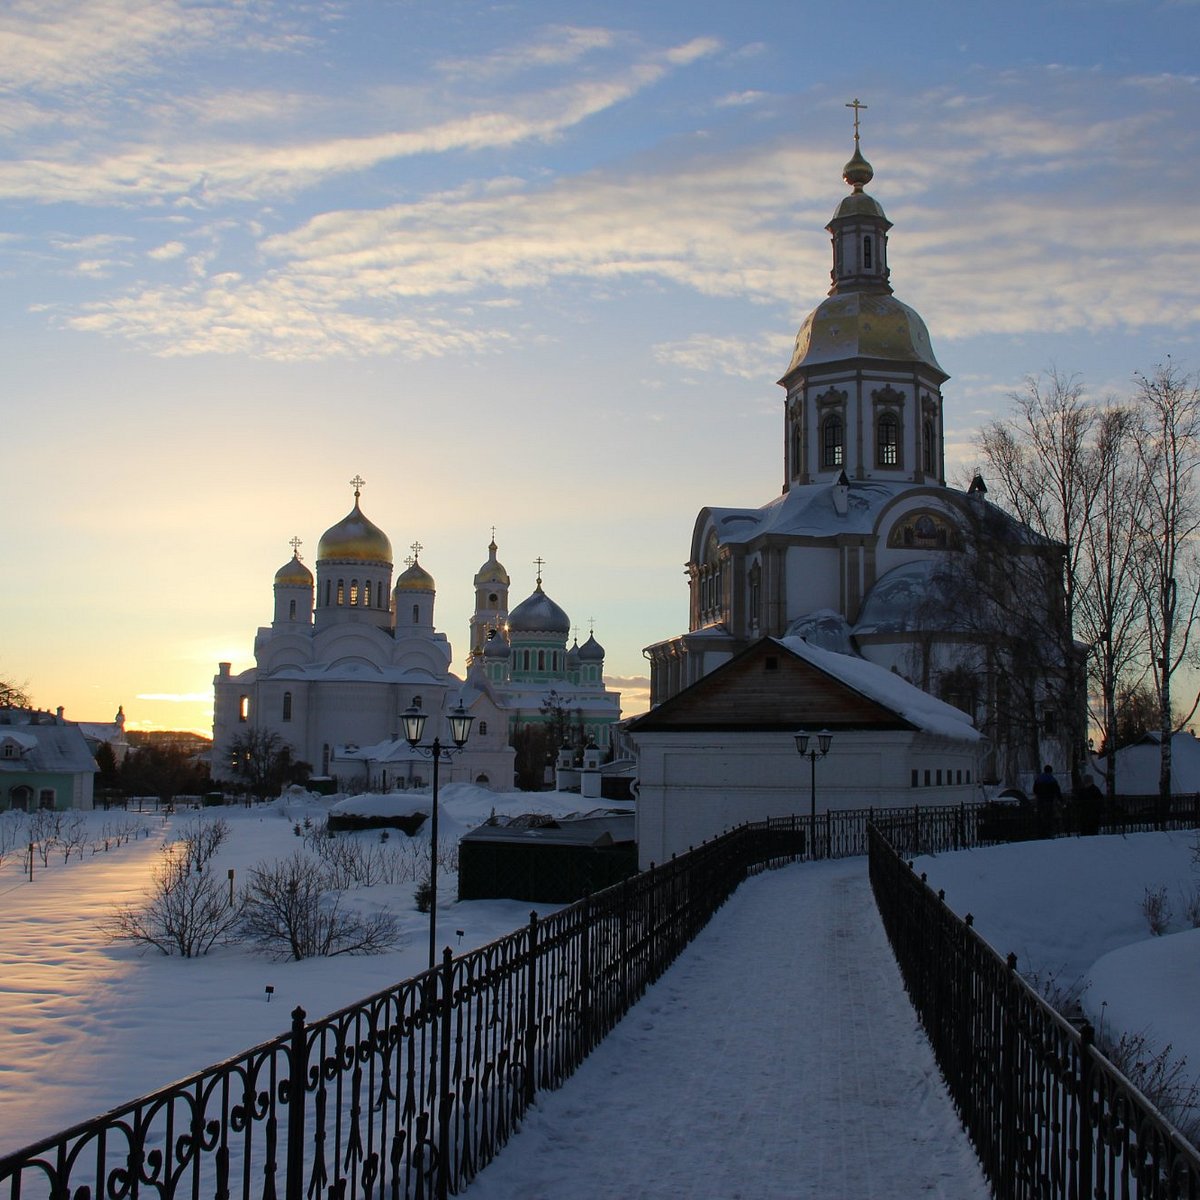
x=1051, y=1118
x=410, y=1092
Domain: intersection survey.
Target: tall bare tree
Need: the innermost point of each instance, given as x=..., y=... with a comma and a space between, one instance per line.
x=1167, y=444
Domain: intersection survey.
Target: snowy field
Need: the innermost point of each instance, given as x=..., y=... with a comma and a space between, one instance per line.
x=85, y=1025
x=1073, y=909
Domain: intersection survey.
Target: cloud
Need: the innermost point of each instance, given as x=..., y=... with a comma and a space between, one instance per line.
x=558, y=46
x=166, y=251
x=744, y=358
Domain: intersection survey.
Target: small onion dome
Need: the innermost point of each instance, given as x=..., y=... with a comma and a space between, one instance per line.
x=294, y=574
x=538, y=614
x=496, y=647
x=355, y=537
x=858, y=172
x=492, y=571
x=415, y=579
x=573, y=655
x=591, y=650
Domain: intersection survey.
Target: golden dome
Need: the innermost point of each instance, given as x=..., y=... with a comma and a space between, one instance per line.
x=294, y=574
x=415, y=579
x=492, y=571
x=858, y=172
x=862, y=325
x=355, y=537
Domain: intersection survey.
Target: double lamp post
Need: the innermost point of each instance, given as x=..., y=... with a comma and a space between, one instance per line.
x=824, y=740
x=460, y=729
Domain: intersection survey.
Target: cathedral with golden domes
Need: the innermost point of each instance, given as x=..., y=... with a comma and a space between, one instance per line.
x=347, y=653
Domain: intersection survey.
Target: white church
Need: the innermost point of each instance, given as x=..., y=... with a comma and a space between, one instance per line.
x=853, y=556
x=347, y=653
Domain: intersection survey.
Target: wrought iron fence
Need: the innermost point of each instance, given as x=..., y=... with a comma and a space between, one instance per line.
x=410, y=1092
x=1049, y=1115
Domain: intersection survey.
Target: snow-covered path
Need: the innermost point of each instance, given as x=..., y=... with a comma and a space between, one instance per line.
x=778, y=1057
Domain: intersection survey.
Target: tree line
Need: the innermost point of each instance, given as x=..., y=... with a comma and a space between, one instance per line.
x=1113, y=487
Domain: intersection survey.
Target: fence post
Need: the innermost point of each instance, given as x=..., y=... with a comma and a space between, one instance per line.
x=828, y=833
x=585, y=978
x=446, y=1016
x=1009, y=1130
x=530, y=1014
x=1087, y=1133
x=297, y=1080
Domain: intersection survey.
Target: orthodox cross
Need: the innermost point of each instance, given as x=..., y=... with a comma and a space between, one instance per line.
x=416, y=548
x=591, y=626
x=493, y=533
x=539, y=562
x=356, y=483
x=856, y=104
x=295, y=544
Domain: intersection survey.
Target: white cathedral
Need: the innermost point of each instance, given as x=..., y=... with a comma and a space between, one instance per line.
x=854, y=553
x=347, y=653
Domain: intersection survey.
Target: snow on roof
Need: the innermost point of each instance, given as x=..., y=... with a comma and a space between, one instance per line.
x=885, y=687
x=1138, y=765
x=52, y=747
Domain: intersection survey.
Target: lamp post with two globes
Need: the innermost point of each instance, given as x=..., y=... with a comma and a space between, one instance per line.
x=460, y=729
x=824, y=740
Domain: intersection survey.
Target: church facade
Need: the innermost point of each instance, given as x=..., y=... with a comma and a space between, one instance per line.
x=347, y=652
x=866, y=549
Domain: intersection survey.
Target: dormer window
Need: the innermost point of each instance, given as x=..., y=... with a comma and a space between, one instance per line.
x=10, y=750
x=867, y=253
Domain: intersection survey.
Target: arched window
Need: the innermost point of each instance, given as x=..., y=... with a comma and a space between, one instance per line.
x=832, y=442
x=524, y=660
x=381, y=595
x=367, y=594
x=416, y=614
x=291, y=610
x=887, y=440
x=243, y=708
x=327, y=593
x=927, y=446
x=341, y=593
x=353, y=592
x=287, y=706
x=541, y=660
x=796, y=448
x=867, y=252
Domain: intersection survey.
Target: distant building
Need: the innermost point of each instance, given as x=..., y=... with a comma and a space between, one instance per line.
x=347, y=653
x=45, y=762
x=867, y=550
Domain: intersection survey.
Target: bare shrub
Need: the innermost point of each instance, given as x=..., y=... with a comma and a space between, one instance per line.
x=1189, y=903
x=187, y=912
x=73, y=836
x=201, y=838
x=1064, y=996
x=1156, y=908
x=11, y=834
x=292, y=912
x=1163, y=1078
x=44, y=826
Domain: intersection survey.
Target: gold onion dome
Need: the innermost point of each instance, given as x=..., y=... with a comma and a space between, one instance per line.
x=415, y=579
x=355, y=537
x=294, y=573
x=492, y=571
x=858, y=172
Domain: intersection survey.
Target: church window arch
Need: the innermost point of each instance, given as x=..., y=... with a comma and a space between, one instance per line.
x=416, y=614
x=927, y=446
x=353, y=593
x=797, y=448
x=327, y=586
x=887, y=440
x=524, y=660
x=243, y=708
x=367, y=594
x=867, y=253
x=541, y=660
x=833, y=441
x=341, y=592
x=755, y=596
x=287, y=706
x=291, y=610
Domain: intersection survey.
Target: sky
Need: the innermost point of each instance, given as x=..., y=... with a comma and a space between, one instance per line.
x=533, y=266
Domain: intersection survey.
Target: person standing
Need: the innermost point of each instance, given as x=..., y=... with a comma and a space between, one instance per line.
x=1048, y=795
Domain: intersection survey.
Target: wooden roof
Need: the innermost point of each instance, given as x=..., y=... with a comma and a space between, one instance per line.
x=768, y=688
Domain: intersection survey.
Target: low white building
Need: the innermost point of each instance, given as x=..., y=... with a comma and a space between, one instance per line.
x=44, y=762
x=723, y=751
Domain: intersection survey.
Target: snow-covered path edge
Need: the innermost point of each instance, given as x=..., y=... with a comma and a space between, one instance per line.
x=779, y=1057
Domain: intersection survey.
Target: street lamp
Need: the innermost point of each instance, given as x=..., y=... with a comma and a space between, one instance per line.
x=460, y=729
x=824, y=739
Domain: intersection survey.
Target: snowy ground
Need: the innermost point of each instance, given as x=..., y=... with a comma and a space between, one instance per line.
x=783, y=1027
x=1072, y=908
x=777, y=1059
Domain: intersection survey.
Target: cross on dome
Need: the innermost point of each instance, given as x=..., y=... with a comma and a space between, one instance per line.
x=357, y=483
x=416, y=548
x=295, y=544
x=539, y=562
x=856, y=104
